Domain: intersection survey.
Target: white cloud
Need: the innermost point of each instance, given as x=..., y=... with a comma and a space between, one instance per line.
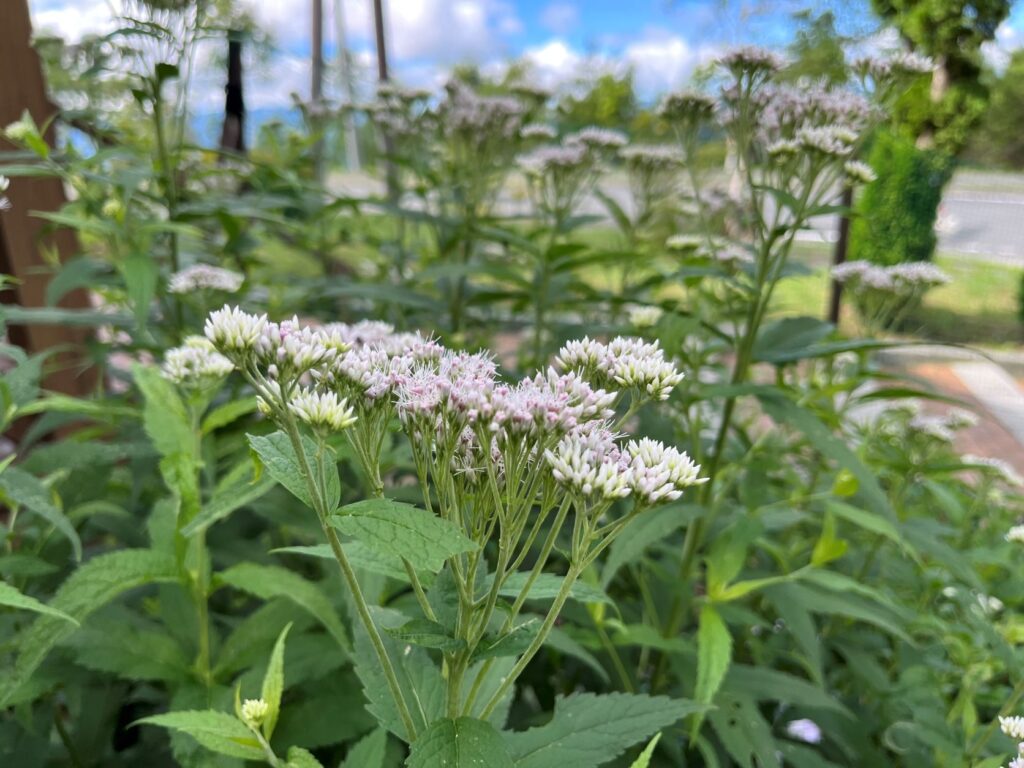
x=560, y=17
x=664, y=62
x=446, y=31
x=1009, y=37
x=72, y=19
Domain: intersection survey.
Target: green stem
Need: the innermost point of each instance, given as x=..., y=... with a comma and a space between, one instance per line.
x=1011, y=702
x=535, y=646
x=351, y=579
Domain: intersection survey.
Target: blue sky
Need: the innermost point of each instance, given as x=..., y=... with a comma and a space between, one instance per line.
x=661, y=40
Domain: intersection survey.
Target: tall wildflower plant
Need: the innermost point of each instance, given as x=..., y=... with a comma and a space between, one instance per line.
x=523, y=485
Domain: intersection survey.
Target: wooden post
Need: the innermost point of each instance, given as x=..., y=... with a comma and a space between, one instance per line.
x=232, y=136
x=24, y=236
x=839, y=254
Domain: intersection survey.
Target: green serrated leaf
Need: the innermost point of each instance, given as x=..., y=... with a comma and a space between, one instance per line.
x=228, y=413
x=25, y=490
x=418, y=677
x=402, y=530
x=268, y=581
x=588, y=730
x=462, y=743
x=547, y=585
x=276, y=454
x=427, y=634
x=644, y=759
x=828, y=547
x=273, y=684
x=12, y=598
x=714, y=654
x=509, y=644
x=217, y=731
x=227, y=500
x=91, y=586
x=301, y=758
x=164, y=415
x=369, y=751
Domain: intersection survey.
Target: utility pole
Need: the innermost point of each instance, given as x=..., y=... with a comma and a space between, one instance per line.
x=317, y=85
x=382, y=53
x=382, y=76
x=347, y=82
x=839, y=254
x=232, y=136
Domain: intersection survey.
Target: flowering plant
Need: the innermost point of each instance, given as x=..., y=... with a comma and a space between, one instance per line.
x=510, y=474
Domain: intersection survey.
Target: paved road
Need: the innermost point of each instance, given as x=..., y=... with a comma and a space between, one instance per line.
x=983, y=226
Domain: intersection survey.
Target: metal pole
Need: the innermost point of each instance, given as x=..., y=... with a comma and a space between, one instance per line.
x=345, y=69
x=382, y=54
x=382, y=76
x=317, y=84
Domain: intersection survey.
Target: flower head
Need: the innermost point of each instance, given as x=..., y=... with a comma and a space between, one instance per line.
x=595, y=138
x=645, y=316
x=254, y=711
x=858, y=172
x=321, y=409
x=5, y=204
x=203, y=276
x=588, y=462
x=196, y=363
x=660, y=472
x=234, y=332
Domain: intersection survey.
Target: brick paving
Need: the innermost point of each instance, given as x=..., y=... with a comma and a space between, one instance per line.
x=989, y=437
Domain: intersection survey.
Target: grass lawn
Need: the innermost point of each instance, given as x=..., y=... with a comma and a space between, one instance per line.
x=979, y=307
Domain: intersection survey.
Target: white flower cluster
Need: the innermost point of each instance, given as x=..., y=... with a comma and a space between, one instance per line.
x=627, y=362
x=590, y=463
x=234, y=332
x=650, y=155
x=750, y=59
x=254, y=711
x=830, y=140
x=594, y=138
x=321, y=409
x=567, y=157
x=469, y=114
x=203, y=276
x=943, y=426
x=1016, y=534
x=5, y=204
x=457, y=411
x=195, y=364
x=646, y=316
x=998, y=467
x=537, y=131
x=899, y=279
x=859, y=172
x=1014, y=728
x=884, y=68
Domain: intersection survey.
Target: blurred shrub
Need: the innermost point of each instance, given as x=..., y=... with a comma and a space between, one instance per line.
x=896, y=213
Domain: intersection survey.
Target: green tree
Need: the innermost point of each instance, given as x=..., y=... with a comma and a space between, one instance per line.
x=817, y=49
x=951, y=32
x=609, y=101
x=999, y=139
